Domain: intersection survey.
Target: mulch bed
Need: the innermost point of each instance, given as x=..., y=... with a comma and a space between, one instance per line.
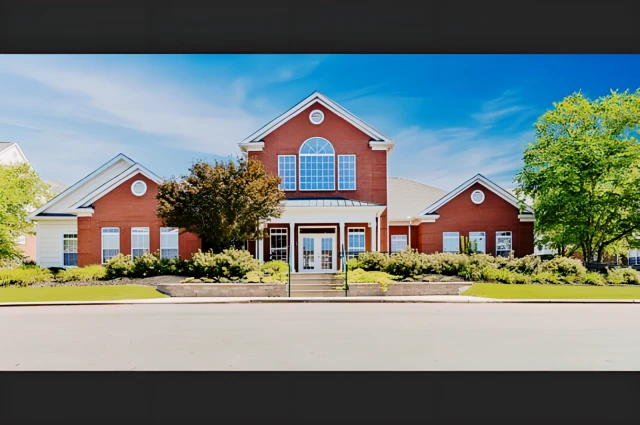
x=148, y=281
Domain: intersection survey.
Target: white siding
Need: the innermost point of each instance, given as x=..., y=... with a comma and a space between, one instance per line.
x=11, y=156
x=87, y=187
x=49, y=240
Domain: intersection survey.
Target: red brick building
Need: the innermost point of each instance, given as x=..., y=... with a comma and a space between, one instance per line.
x=338, y=197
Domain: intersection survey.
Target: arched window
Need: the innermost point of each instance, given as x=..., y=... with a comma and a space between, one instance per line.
x=317, y=165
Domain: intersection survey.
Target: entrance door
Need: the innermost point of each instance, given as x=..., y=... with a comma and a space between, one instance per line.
x=317, y=253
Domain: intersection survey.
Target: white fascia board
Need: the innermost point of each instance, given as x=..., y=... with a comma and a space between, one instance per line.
x=526, y=218
x=54, y=218
x=79, y=183
x=476, y=179
x=315, y=97
x=381, y=146
x=252, y=146
x=112, y=184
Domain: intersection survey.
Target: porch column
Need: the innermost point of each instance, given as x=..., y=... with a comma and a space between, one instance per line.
x=343, y=242
x=374, y=236
x=292, y=247
x=260, y=245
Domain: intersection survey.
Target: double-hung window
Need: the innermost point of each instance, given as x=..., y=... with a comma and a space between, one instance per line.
x=356, y=242
x=278, y=247
x=346, y=172
x=451, y=242
x=110, y=243
x=503, y=244
x=70, y=250
x=398, y=243
x=317, y=165
x=139, y=241
x=287, y=172
x=169, y=242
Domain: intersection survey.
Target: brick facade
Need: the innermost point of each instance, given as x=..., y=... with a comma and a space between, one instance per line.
x=121, y=208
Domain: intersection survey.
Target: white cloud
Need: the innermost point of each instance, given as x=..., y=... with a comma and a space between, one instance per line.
x=499, y=108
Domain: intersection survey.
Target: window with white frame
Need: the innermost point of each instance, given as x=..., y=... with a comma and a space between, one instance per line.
x=346, y=172
x=398, y=243
x=503, y=244
x=110, y=243
x=287, y=172
x=70, y=250
x=450, y=242
x=317, y=165
x=355, y=241
x=139, y=241
x=169, y=242
x=278, y=247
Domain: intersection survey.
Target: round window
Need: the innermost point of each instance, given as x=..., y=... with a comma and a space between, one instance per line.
x=477, y=196
x=316, y=117
x=139, y=188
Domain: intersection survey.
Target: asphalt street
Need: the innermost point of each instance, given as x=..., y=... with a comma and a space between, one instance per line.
x=380, y=337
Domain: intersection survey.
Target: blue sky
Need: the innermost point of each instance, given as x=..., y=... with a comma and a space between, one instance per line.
x=452, y=116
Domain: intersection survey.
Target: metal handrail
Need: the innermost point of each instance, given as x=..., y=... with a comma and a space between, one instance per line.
x=289, y=278
x=345, y=268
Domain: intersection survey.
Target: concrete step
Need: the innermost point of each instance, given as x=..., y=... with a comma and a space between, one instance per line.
x=315, y=286
x=314, y=293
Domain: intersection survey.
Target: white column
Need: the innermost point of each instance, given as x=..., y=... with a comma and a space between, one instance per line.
x=292, y=247
x=260, y=245
x=342, y=239
x=378, y=233
x=373, y=235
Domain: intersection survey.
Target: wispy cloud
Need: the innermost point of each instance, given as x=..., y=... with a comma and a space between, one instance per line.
x=505, y=105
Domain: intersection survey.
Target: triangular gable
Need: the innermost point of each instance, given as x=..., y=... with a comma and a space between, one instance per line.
x=114, y=183
x=317, y=98
x=76, y=189
x=479, y=178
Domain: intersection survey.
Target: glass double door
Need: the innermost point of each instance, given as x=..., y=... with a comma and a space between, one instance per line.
x=317, y=252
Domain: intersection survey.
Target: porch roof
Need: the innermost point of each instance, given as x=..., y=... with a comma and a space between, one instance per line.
x=327, y=202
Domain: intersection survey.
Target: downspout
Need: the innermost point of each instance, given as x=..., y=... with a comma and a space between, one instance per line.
x=387, y=204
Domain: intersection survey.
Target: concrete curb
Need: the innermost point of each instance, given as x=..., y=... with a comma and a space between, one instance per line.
x=433, y=299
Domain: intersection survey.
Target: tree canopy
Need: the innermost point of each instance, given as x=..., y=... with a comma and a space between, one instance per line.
x=222, y=203
x=21, y=191
x=583, y=173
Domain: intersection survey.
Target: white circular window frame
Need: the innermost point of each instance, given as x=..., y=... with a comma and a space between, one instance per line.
x=134, y=185
x=475, y=192
x=321, y=116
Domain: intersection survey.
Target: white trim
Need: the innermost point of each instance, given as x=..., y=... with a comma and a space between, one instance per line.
x=406, y=243
x=136, y=182
x=355, y=171
x=476, y=179
x=381, y=146
x=62, y=239
x=349, y=229
x=295, y=172
x=102, y=242
x=320, y=99
x=526, y=218
x=495, y=235
x=73, y=187
x=251, y=146
x=300, y=155
x=334, y=259
x=321, y=116
x=484, y=235
x=56, y=218
x=177, y=244
x=477, y=192
x=451, y=237
x=148, y=233
x=113, y=184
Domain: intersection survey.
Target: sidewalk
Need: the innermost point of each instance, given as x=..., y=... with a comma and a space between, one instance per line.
x=459, y=299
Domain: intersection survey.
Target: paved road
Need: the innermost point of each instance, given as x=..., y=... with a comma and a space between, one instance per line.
x=321, y=337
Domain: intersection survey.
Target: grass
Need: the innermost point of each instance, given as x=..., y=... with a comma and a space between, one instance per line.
x=493, y=290
x=78, y=293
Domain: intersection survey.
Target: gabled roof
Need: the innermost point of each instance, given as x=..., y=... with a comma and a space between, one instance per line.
x=327, y=202
x=478, y=178
x=317, y=97
x=5, y=146
x=406, y=198
x=78, y=201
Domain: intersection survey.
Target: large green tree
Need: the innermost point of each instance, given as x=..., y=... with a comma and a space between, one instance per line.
x=221, y=203
x=21, y=191
x=583, y=172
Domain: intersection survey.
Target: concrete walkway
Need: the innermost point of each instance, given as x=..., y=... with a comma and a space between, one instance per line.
x=458, y=299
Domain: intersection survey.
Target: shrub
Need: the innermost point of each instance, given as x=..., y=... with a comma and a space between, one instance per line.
x=594, y=278
x=146, y=265
x=203, y=264
x=119, y=266
x=275, y=266
x=623, y=275
x=235, y=263
x=564, y=267
x=352, y=264
x=445, y=263
x=364, y=276
x=276, y=271
x=82, y=274
x=546, y=277
x=372, y=261
x=24, y=276
x=492, y=274
x=407, y=263
x=473, y=268
x=530, y=264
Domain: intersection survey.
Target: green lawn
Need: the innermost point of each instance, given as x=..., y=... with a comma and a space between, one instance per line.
x=493, y=290
x=78, y=293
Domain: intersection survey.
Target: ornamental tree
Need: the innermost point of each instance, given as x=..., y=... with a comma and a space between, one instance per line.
x=21, y=191
x=583, y=172
x=222, y=203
